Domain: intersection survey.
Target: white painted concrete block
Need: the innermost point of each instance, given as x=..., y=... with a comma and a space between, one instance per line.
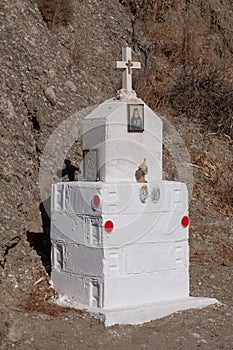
x=158, y=257
x=120, y=150
x=118, y=197
x=76, y=288
x=82, y=223
x=141, y=314
x=143, y=260
x=68, y=228
x=126, y=291
x=139, y=289
x=84, y=261
x=131, y=229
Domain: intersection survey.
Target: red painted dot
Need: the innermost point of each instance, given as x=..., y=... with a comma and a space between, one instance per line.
x=185, y=221
x=96, y=201
x=108, y=226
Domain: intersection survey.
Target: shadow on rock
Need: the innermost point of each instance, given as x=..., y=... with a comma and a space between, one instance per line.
x=41, y=242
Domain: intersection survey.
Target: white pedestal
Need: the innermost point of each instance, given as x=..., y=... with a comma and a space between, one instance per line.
x=150, y=312
x=143, y=261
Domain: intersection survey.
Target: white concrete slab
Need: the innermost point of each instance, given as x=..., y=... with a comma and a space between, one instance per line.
x=149, y=312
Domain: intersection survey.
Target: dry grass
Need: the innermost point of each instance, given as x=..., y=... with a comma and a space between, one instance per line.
x=203, y=94
x=148, y=9
x=187, y=48
x=56, y=12
x=224, y=183
x=216, y=173
x=39, y=300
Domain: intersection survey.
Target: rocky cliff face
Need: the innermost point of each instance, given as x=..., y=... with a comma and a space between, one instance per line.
x=46, y=77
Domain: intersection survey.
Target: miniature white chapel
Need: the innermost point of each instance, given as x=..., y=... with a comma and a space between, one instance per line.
x=120, y=235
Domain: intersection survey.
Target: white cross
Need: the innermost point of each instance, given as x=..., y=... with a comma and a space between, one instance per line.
x=127, y=65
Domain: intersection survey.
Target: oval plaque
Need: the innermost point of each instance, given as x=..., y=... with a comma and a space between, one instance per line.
x=143, y=193
x=155, y=194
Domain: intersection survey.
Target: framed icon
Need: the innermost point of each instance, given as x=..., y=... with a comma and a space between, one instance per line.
x=135, y=117
x=90, y=165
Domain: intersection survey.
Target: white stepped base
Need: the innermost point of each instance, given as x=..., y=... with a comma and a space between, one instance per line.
x=147, y=313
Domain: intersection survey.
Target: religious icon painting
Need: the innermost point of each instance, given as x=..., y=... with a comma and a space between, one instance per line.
x=155, y=194
x=90, y=165
x=143, y=193
x=135, y=117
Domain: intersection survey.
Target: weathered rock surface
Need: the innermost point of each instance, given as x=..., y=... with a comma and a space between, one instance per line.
x=40, y=71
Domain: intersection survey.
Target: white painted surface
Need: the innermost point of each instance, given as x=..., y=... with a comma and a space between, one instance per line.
x=121, y=152
x=128, y=66
x=75, y=288
x=134, y=221
x=144, y=288
x=119, y=198
x=84, y=261
x=139, y=262
x=149, y=312
x=158, y=257
x=144, y=260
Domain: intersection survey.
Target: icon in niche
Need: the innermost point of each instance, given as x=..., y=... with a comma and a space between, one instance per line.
x=135, y=118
